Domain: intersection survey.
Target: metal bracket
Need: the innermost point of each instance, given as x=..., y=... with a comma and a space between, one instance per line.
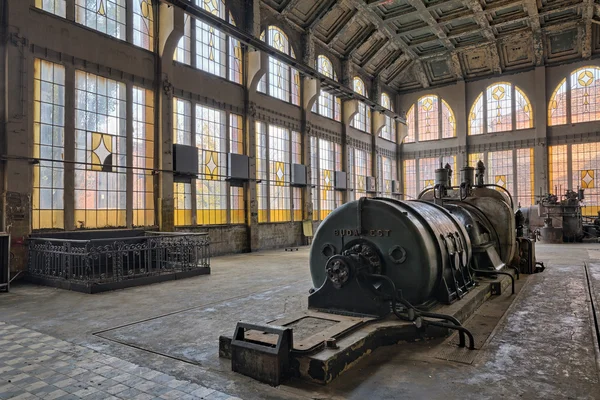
x=261, y=360
x=496, y=288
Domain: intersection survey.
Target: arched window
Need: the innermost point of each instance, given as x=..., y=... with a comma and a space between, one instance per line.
x=430, y=119
x=215, y=52
x=327, y=104
x=282, y=81
x=501, y=107
x=362, y=120
x=581, y=93
x=389, y=130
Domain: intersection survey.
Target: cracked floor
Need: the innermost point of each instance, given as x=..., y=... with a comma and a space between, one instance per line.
x=544, y=347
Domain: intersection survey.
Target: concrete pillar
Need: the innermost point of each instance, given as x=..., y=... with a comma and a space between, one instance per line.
x=171, y=29
x=256, y=64
x=311, y=88
x=540, y=151
x=17, y=133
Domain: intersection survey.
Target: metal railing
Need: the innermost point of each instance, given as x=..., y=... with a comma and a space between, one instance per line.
x=107, y=260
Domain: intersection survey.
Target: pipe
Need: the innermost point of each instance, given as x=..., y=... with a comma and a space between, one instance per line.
x=486, y=272
x=4, y=108
x=461, y=329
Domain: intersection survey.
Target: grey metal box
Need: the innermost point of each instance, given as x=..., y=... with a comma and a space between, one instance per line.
x=185, y=159
x=238, y=167
x=298, y=175
x=396, y=189
x=371, y=184
x=341, y=180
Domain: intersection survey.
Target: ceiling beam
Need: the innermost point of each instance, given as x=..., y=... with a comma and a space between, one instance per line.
x=351, y=50
x=372, y=16
x=344, y=29
x=536, y=29
x=586, y=33
x=322, y=13
x=289, y=7
x=481, y=18
x=440, y=33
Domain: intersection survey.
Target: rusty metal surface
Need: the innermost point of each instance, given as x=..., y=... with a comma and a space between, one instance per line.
x=335, y=326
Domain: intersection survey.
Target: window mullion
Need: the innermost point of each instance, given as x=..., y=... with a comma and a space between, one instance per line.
x=568, y=98
x=129, y=155
x=513, y=106
x=227, y=151
x=200, y=171
x=268, y=171
x=129, y=24
x=484, y=110
x=193, y=50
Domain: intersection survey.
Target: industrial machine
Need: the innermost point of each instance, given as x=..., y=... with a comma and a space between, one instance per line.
x=555, y=220
x=379, y=257
x=374, y=256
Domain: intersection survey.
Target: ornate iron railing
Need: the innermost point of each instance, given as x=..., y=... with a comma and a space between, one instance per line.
x=107, y=260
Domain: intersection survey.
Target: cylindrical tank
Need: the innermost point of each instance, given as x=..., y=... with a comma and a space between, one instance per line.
x=414, y=242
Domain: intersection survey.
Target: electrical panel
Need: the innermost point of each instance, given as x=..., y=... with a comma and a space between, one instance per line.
x=185, y=160
x=238, y=167
x=396, y=189
x=298, y=175
x=341, y=180
x=371, y=184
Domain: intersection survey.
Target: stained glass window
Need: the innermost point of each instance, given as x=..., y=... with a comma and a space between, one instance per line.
x=143, y=157
x=585, y=95
x=182, y=194
x=183, y=53
x=215, y=52
x=500, y=169
x=427, y=167
x=236, y=145
x=476, y=116
x=451, y=160
x=474, y=158
x=279, y=174
x=100, y=151
x=585, y=170
x=182, y=121
x=557, y=106
x=448, y=121
x=410, y=124
x=235, y=57
x=525, y=182
x=314, y=168
x=497, y=105
x=261, y=171
x=326, y=182
x=428, y=115
x=57, y=7
x=430, y=119
x=211, y=188
x=48, y=145
x=558, y=176
x=389, y=130
x=297, y=159
x=327, y=104
x=282, y=81
x=362, y=169
x=143, y=24
x=387, y=174
x=523, y=110
x=362, y=120
x=409, y=177
x=106, y=16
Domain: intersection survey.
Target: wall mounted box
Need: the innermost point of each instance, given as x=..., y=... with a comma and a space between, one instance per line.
x=371, y=184
x=341, y=180
x=238, y=168
x=396, y=189
x=298, y=175
x=185, y=159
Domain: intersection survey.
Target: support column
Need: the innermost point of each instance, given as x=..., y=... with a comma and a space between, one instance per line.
x=255, y=63
x=18, y=138
x=171, y=29
x=311, y=88
x=461, y=111
x=69, y=149
x=348, y=111
x=540, y=151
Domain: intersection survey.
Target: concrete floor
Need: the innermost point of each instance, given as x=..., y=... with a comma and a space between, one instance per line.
x=544, y=347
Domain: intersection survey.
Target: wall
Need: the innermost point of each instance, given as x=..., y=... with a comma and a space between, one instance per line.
x=34, y=33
